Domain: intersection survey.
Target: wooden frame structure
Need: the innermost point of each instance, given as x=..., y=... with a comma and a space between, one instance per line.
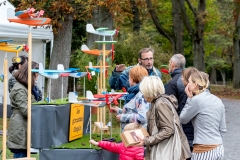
x=33, y=23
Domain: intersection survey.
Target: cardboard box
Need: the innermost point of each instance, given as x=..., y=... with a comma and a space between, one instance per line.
x=129, y=138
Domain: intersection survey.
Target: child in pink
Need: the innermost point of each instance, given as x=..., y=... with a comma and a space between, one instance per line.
x=130, y=153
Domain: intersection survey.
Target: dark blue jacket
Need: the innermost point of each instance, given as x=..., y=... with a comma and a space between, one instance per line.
x=175, y=86
x=120, y=79
x=132, y=91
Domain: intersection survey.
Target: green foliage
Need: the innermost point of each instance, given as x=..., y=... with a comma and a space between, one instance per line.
x=218, y=36
x=78, y=34
x=129, y=44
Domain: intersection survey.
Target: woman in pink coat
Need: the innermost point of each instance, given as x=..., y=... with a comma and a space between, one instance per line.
x=130, y=153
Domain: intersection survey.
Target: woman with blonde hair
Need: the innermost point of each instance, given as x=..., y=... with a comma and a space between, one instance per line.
x=135, y=110
x=163, y=124
x=207, y=114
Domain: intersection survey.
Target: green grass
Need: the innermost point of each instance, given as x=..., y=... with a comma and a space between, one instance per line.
x=53, y=102
x=83, y=142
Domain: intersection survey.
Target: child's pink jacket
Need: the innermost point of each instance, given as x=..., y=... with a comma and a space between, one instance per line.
x=130, y=153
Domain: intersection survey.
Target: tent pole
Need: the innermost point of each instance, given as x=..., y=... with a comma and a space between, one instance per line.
x=62, y=88
x=43, y=78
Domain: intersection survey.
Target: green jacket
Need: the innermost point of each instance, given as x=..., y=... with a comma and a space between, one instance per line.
x=17, y=128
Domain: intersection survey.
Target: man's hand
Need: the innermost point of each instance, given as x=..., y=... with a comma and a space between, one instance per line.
x=93, y=142
x=120, y=67
x=114, y=109
x=118, y=117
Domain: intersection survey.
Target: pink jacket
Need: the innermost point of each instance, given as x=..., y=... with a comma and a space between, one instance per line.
x=130, y=153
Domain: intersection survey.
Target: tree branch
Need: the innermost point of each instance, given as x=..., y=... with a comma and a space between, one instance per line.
x=185, y=17
x=129, y=18
x=191, y=7
x=155, y=19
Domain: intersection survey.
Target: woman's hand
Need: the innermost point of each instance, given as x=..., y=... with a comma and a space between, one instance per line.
x=114, y=108
x=118, y=117
x=141, y=141
x=93, y=142
x=188, y=92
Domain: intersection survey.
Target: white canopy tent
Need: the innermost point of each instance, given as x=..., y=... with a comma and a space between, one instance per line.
x=19, y=34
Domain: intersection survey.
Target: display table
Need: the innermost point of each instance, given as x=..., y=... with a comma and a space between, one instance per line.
x=9, y=111
x=77, y=154
x=50, y=125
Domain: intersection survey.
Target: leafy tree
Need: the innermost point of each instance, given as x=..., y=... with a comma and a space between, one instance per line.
x=62, y=14
x=218, y=40
x=129, y=44
x=175, y=34
x=236, y=45
x=195, y=29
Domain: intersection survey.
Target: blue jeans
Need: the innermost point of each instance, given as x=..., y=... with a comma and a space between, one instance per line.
x=19, y=153
x=190, y=142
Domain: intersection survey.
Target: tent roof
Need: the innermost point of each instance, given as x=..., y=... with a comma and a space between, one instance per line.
x=15, y=30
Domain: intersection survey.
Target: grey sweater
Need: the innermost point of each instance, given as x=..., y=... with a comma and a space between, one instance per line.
x=207, y=114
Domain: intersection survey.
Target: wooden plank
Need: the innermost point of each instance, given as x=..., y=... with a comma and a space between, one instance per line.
x=100, y=126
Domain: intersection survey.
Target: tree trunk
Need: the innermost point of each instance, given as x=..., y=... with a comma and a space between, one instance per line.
x=198, y=51
x=197, y=32
x=236, y=54
x=136, y=17
x=213, y=78
x=223, y=76
x=61, y=55
x=177, y=27
x=101, y=18
x=198, y=46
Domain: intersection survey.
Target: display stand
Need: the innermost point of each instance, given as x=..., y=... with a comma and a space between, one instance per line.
x=101, y=123
x=23, y=17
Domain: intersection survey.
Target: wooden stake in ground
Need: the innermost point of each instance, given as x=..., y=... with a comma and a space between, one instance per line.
x=5, y=89
x=29, y=93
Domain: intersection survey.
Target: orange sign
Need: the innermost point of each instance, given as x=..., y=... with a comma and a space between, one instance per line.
x=76, y=121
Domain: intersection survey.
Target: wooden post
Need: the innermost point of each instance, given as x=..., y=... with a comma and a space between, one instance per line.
x=101, y=89
x=104, y=80
x=29, y=93
x=4, y=141
x=98, y=90
x=104, y=67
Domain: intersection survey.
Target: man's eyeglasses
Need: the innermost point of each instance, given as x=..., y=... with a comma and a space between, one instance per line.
x=147, y=59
